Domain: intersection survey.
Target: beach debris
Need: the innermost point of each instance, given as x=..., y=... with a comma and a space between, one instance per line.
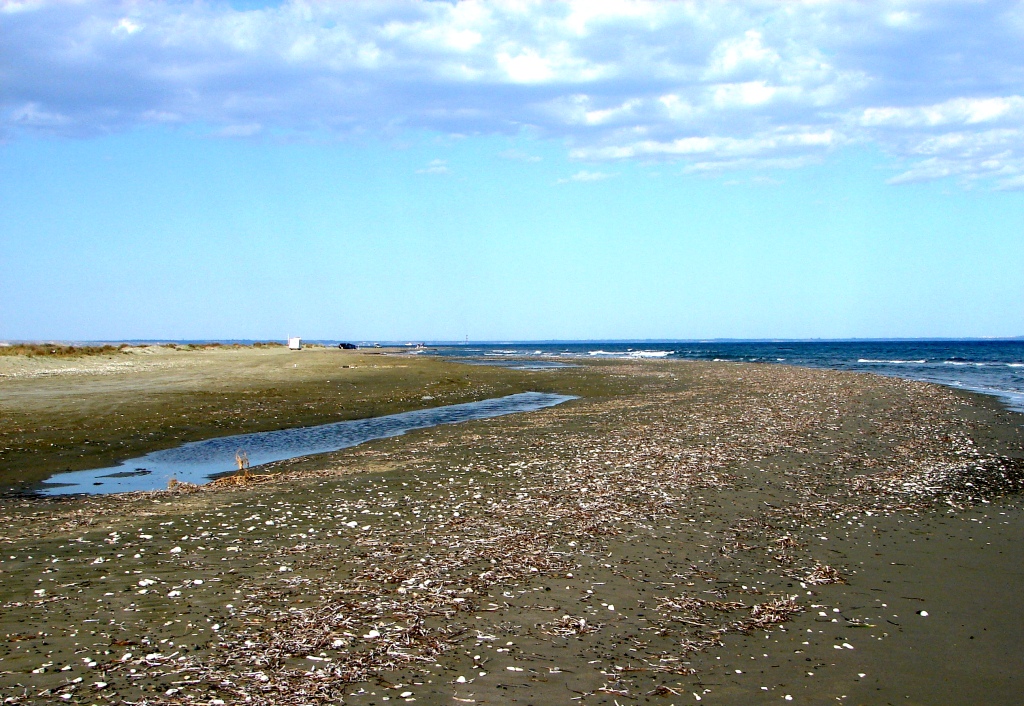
x=569, y=626
x=662, y=690
x=180, y=487
x=822, y=574
x=372, y=575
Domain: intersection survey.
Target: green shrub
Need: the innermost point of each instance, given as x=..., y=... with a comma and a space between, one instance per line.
x=57, y=350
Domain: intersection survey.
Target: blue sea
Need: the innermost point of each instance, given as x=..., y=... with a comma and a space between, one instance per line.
x=994, y=367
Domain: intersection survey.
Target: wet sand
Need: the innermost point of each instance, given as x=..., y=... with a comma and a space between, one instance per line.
x=59, y=414
x=737, y=533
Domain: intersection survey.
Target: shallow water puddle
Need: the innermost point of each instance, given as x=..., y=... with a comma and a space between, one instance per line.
x=199, y=461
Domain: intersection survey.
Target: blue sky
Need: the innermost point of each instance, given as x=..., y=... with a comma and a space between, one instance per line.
x=403, y=170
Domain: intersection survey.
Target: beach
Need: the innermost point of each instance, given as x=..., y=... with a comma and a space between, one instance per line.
x=684, y=531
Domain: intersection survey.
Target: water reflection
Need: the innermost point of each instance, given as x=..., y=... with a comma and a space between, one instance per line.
x=198, y=461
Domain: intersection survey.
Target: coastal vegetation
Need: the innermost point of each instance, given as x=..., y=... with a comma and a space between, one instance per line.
x=58, y=350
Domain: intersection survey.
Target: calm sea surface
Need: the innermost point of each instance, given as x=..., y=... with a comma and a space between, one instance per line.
x=991, y=367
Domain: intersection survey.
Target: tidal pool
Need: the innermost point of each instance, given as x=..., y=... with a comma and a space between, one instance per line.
x=199, y=461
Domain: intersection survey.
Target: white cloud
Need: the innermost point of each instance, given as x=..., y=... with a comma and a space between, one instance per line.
x=519, y=156
x=1015, y=183
x=714, y=85
x=436, y=166
x=742, y=55
x=958, y=111
x=247, y=130
x=127, y=26
x=31, y=115
x=585, y=175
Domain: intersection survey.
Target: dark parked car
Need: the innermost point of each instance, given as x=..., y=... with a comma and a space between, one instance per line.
x=348, y=346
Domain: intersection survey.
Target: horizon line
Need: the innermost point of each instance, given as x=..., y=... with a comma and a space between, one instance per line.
x=549, y=341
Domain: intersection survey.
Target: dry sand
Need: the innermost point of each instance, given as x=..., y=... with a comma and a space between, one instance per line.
x=733, y=534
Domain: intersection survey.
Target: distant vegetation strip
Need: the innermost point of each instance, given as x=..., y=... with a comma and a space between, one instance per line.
x=55, y=350
x=61, y=350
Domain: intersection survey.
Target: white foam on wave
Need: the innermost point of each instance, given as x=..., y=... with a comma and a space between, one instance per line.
x=979, y=364
x=629, y=354
x=891, y=362
x=1014, y=399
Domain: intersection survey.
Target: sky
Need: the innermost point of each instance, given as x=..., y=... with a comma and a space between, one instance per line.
x=511, y=170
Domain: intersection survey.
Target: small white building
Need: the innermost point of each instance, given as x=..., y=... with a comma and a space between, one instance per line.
x=294, y=343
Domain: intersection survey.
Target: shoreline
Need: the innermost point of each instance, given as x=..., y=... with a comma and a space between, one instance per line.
x=171, y=368
x=203, y=461
x=671, y=514
x=987, y=366
x=96, y=412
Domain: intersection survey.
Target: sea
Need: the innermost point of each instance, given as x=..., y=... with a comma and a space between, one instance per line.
x=989, y=366
x=993, y=367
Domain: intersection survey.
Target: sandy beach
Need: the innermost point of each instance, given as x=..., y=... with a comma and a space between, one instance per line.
x=683, y=532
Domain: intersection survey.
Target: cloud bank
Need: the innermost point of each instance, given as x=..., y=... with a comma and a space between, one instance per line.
x=938, y=86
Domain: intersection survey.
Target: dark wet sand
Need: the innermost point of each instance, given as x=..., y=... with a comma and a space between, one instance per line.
x=657, y=541
x=69, y=414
